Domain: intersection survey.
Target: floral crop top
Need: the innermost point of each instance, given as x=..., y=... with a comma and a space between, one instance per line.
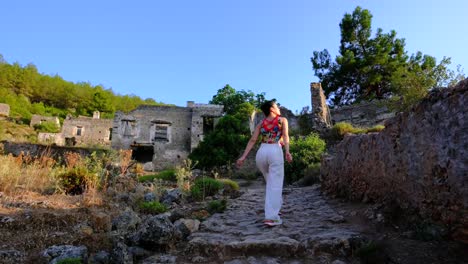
x=271, y=131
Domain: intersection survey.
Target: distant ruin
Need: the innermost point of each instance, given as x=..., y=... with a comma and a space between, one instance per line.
x=164, y=135
x=4, y=110
x=85, y=130
x=39, y=119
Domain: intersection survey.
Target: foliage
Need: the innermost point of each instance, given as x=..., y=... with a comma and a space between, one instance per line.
x=74, y=180
x=217, y=206
x=340, y=129
x=223, y=145
x=183, y=175
x=70, y=261
x=232, y=100
x=306, y=152
x=27, y=173
x=14, y=132
x=304, y=122
x=47, y=126
x=204, y=187
x=29, y=92
x=378, y=67
x=228, y=183
x=167, y=175
x=152, y=207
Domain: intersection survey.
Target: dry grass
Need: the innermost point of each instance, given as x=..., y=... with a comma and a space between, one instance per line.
x=25, y=173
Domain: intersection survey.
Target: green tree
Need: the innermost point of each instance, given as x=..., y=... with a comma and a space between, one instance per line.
x=232, y=99
x=223, y=145
x=368, y=68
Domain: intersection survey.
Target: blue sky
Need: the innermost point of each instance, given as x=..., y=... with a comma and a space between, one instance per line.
x=185, y=50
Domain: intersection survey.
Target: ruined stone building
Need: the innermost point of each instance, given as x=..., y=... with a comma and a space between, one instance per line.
x=163, y=135
x=38, y=119
x=4, y=110
x=85, y=130
x=77, y=131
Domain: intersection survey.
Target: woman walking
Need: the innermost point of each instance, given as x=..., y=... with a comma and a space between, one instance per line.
x=269, y=159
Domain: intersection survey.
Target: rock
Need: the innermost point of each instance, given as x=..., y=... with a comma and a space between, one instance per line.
x=155, y=233
x=187, y=226
x=149, y=197
x=56, y=254
x=176, y=214
x=84, y=229
x=126, y=222
x=102, y=257
x=11, y=256
x=160, y=259
x=171, y=196
x=6, y=219
x=121, y=254
x=338, y=262
x=198, y=259
x=148, y=166
x=139, y=253
x=101, y=222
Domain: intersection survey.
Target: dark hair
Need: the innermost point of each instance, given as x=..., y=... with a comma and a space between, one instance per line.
x=267, y=105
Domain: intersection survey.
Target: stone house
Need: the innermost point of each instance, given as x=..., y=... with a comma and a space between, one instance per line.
x=85, y=130
x=163, y=135
x=4, y=110
x=38, y=119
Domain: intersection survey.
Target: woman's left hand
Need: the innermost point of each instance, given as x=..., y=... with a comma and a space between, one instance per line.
x=288, y=157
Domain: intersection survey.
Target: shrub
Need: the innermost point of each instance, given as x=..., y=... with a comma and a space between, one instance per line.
x=230, y=184
x=204, y=187
x=217, y=206
x=73, y=181
x=153, y=207
x=306, y=152
x=376, y=128
x=167, y=175
x=340, y=129
x=48, y=127
x=223, y=145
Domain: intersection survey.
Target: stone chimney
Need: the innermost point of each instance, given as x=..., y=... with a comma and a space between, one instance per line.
x=96, y=115
x=320, y=110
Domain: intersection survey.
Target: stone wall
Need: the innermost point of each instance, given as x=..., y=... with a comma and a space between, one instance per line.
x=84, y=130
x=4, y=110
x=51, y=138
x=418, y=163
x=204, y=117
x=366, y=114
x=38, y=119
x=36, y=150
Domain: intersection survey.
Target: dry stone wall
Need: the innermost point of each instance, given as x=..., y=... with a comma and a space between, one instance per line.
x=366, y=114
x=418, y=163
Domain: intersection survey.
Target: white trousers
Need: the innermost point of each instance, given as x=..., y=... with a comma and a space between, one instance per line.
x=270, y=162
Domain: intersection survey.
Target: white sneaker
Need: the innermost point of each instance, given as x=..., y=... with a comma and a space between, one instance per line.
x=272, y=222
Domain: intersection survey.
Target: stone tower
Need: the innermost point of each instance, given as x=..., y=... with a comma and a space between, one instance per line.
x=321, y=118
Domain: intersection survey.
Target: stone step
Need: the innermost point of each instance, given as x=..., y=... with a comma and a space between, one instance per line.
x=311, y=228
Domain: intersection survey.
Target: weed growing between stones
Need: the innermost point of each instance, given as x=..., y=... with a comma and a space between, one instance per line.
x=152, y=207
x=217, y=206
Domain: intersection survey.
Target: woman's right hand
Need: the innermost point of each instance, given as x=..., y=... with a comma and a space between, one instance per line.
x=240, y=162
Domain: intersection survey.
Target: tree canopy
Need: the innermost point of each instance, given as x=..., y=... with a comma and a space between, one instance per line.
x=234, y=100
x=375, y=68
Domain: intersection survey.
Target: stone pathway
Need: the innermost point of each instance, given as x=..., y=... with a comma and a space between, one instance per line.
x=312, y=232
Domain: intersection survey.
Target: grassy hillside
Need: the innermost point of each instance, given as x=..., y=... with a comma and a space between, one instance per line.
x=11, y=131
